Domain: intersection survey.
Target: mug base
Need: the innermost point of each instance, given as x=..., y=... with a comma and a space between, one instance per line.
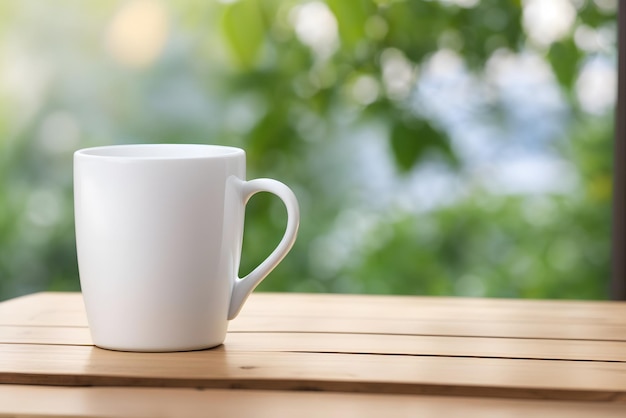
x=156, y=349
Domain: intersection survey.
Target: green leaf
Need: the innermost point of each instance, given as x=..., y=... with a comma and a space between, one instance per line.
x=351, y=17
x=244, y=30
x=410, y=140
x=564, y=57
x=415, y=27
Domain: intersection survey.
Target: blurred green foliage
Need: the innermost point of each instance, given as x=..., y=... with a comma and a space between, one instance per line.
x=289, y=81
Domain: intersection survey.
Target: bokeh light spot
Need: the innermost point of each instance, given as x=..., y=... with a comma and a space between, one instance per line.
x=137, y=34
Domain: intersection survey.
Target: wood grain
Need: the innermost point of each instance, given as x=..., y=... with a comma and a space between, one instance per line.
x=44, y=309
x=363, y=344
x=33, y=401
x=410, y=315
x=222, y=368
x=345, y=343
x=402, y=315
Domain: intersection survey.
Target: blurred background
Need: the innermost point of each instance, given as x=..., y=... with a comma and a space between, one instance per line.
x=442, y=147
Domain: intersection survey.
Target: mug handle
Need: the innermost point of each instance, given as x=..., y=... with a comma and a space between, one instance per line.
x=244, y=286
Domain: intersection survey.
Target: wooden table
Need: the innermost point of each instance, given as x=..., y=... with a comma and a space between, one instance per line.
x=311, y=355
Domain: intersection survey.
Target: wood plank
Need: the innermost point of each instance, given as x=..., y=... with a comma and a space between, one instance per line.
x=435, y=316
x=223, y=368
x=363, y=344
x=404, y=315
x=428, y=346
x=39, y=401
x=44, y=309
x=10, y=334
x=441, y=327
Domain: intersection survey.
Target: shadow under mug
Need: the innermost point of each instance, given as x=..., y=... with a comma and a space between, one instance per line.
x=159, y=232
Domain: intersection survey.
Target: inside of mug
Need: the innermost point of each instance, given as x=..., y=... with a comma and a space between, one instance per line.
x=160, y=151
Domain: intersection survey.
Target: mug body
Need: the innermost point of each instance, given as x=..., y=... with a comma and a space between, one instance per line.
x=158, y=233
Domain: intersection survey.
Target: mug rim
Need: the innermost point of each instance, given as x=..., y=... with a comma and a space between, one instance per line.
x=159, y=152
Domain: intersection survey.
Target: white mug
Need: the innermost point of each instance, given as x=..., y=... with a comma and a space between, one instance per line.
x=159, y=230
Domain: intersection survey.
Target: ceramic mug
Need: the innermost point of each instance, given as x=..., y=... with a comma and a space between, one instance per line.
x=159, y=230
